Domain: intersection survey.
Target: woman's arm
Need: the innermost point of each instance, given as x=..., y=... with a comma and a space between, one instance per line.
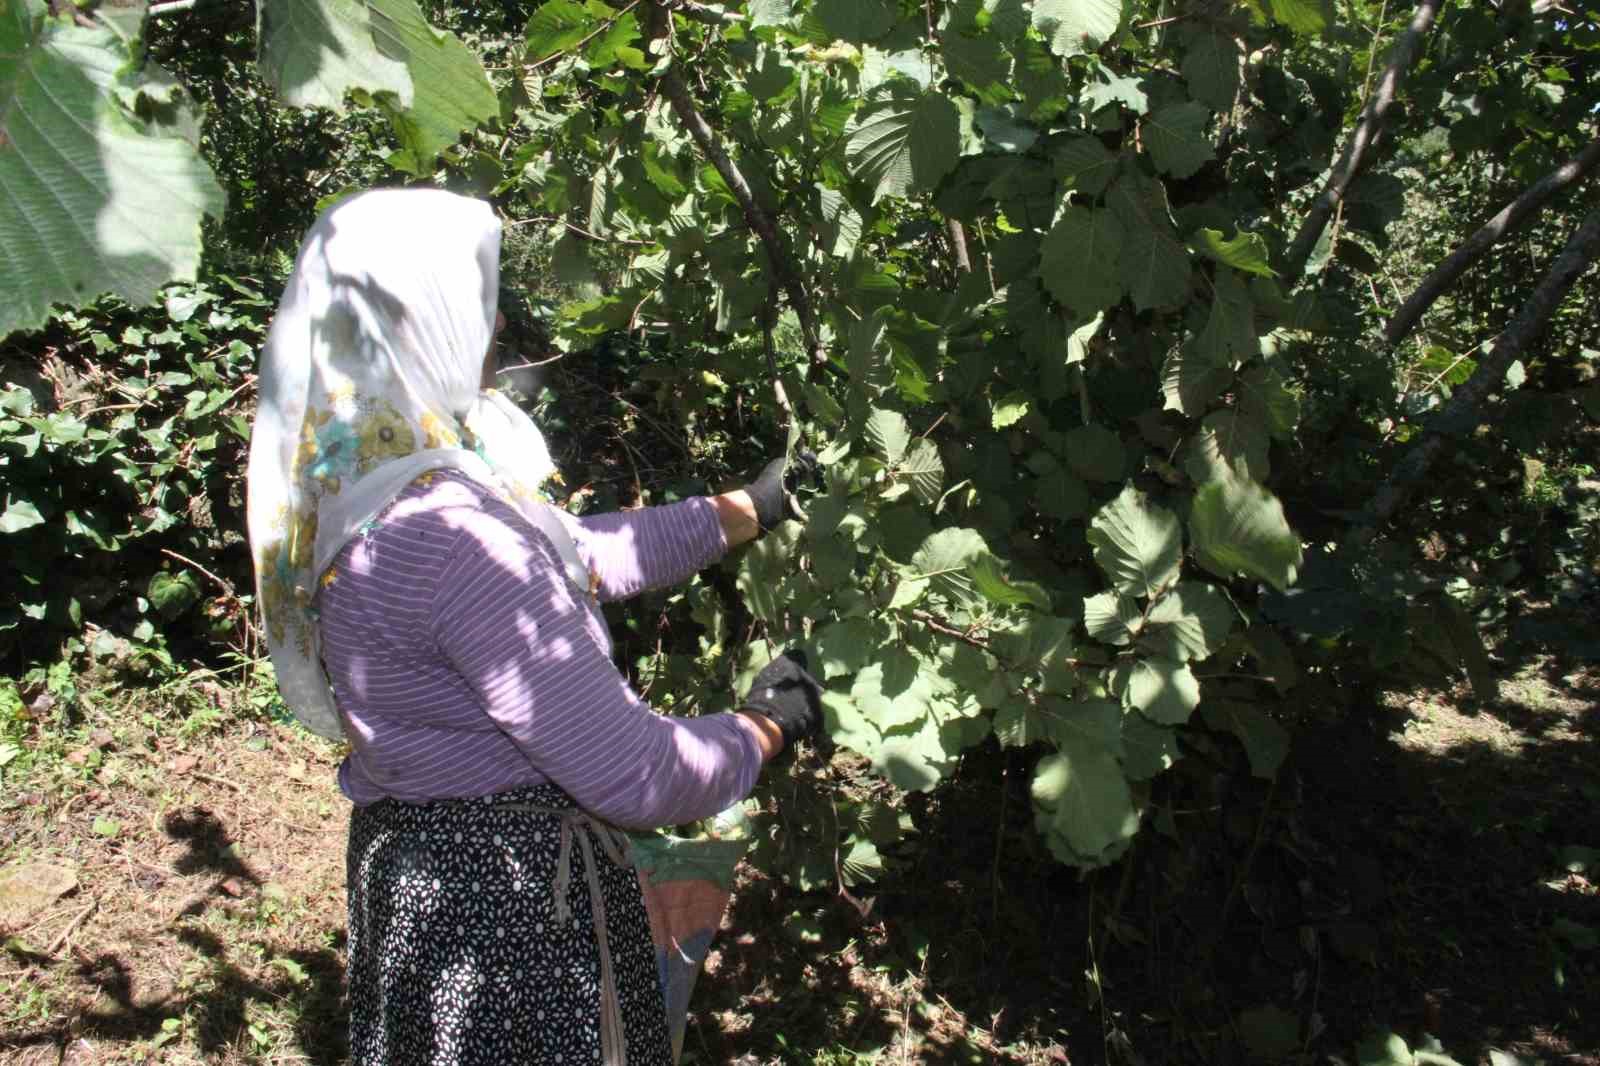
x=507, y=621
x=653, y=547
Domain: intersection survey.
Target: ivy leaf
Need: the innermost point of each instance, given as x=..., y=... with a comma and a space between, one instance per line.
x=1163, y=690
x=555, y=27
x=1079, y=257
x=93, y=198
x=902, y=146
x=1154, y=267
x=1266, y=743
x=1246, y=252
x=1076, y=27
x=1229, y=443
x=19, y=514
x=1111, y=618
x=1095, y=453
x=1190, y=622
x=172, y=594
x=1081, y=796
x=315, y=52
x=855, y=21
x=451, y=93
x=1211, y=67
x=1086, y=164
x=944, y=558
x=1176, y=138
x=1147, y=748
x=1238, y=527
x=1136, y=543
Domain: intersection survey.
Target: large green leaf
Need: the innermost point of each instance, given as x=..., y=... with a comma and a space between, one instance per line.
x=1191, y=378
x=1111, y=618
x=762, y=569
x=1095, y=453
x=1043, y=645
x=855, y=21
x=1211, y=67
x=889, y=433
x=1082, y=797
x=1136, y=543
x=95, y=198
x=1238, y=527
x=990, y=580
x=1163, y=690
x=1154, y=266
x=1229, y=336
x=904, y=145
x=1086, y=163
x=1078, y=258
x=556, y=26
x=1246, y=252
x=1076, y=27
x=1302, y=16
x=1147, y=748
x=846, y=646
x=1176, y=138
x=450, y=91
x=891, y=701
x=918, y=759
x=944, y=559
x=923, y=469
x=1229, y=443
x=1190, y=622
x=315, y=52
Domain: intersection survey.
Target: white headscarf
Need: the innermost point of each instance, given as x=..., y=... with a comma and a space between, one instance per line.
x=371, y=377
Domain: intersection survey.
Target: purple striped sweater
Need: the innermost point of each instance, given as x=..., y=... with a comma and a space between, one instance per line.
x=464, y=663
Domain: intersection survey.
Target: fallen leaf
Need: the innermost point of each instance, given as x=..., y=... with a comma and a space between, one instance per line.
x=102, y=738
x=79, y=757
x=233, y=887
x=184, y=763
x=29, y=888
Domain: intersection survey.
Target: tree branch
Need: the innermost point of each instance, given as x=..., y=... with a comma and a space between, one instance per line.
x=958, y=244
x=705, y=13
x=783, y=266
x=1354, y=159
x=1510, y=217
x=1461, y=414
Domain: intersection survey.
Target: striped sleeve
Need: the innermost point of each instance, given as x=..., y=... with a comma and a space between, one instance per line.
x=649, y=547
x=507, y=621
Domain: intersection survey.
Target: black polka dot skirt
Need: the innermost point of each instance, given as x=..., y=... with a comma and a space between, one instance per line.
x=457, y=956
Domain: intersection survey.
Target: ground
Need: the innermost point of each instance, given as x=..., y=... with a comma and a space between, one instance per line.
x=1427, y=865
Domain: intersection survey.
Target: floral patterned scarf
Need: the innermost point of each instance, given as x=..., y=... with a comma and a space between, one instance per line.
x=371, y=377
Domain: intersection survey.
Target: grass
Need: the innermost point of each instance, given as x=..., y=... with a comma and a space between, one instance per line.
x=1429, y=866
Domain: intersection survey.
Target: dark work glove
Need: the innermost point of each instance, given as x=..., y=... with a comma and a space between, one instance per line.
x=771, y=491
x=784, y=692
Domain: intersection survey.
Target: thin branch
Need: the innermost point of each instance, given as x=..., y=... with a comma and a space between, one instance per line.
x=222, y=583
x=706, y=14
x=604, y=26
x=1462, y=413
x=580, y=231
x=783, y=266
x=958, y=244
x=1354, y=159
x=1564, y=177
x=769, y=317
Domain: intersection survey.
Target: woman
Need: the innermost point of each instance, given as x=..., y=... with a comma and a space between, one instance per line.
x=420, y=600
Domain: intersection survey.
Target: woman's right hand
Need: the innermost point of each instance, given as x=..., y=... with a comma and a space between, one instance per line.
x=786, y=695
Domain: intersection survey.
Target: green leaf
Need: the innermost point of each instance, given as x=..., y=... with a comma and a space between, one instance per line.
x=761, y=572
x=555, y=27
x=1082, y=797
x=19, y=515
x=1147, y=748
x=1190, y=622
x=1079, y=258
x=1176, y=139
x=1229, y=443
x=991, y=582
x=1154, y=267
x=1136, y=543
x=106, y=827
x=770, y=12
x=888, y=432
x=979, y=60
x=841, y=228
x=1246, y=252
x=1111, y=618
x=861, y=863
x=890, y=700
x=1302, y=16
x=901, y=145
x=314, y=53
x=1211, y=67
x=1061, y=495
x=1076, y=27
x=1238, y=527
x=1163, y=690
x=1191, y=378
x=93, y=198
x=1086, y=164
x=1095, y=453
x=450, y=91
x=944, y=559
x=172, y=593
x=855, y=21
x=1266, y=743
x=848, y=726
x=1042, y=645
x=615, y=45
x=916, y=760
x=923, y=469
x=1265, y=396
x=845, y=647
x=1008, y=410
